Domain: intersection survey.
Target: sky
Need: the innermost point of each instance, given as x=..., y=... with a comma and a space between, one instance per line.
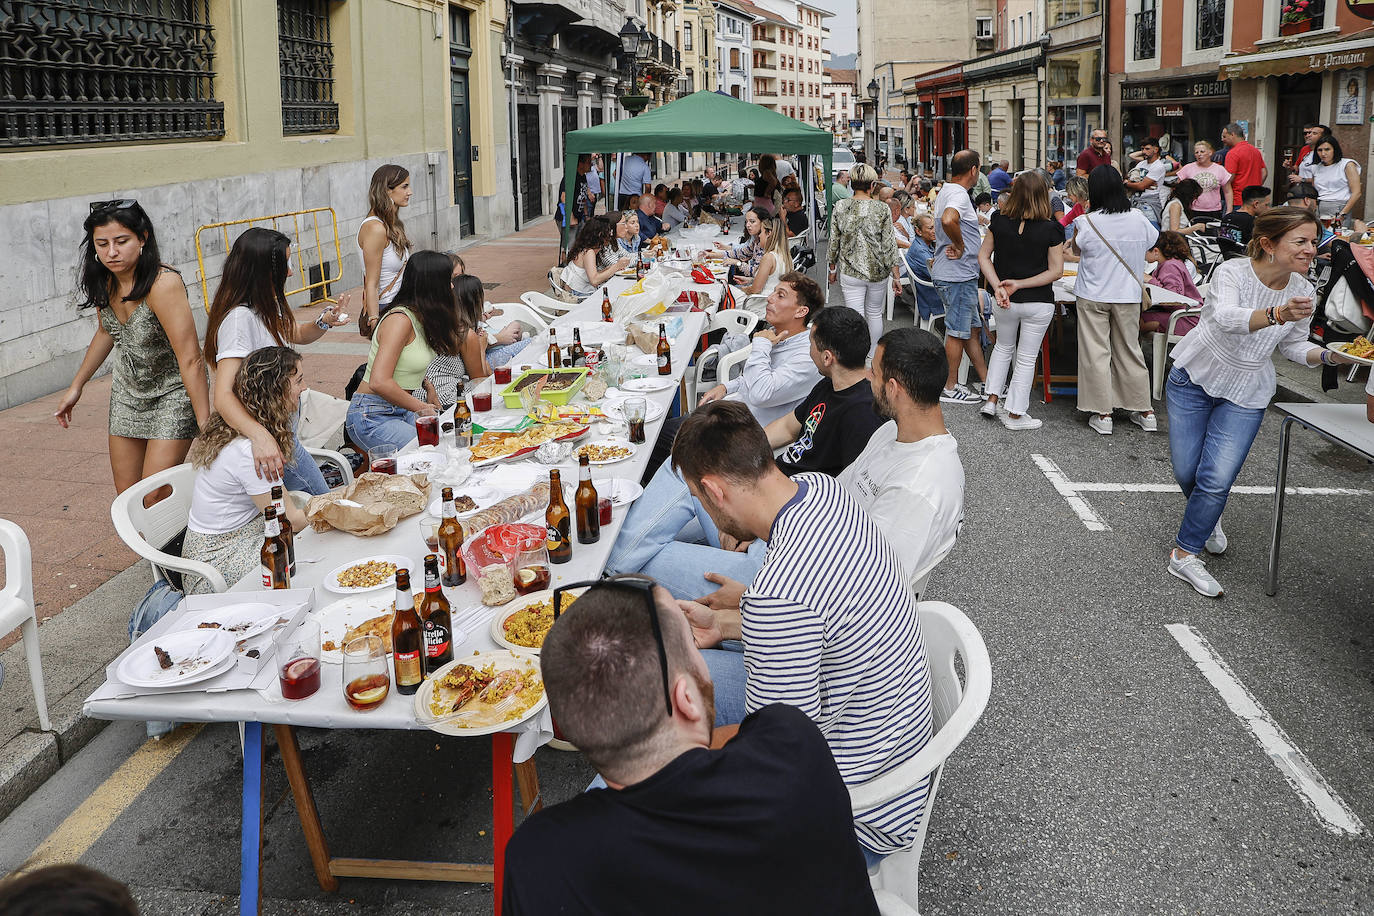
x=843, y=37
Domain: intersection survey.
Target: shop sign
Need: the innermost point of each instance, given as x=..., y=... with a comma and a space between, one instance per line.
x=1298, y=63
x=1178, y=89
x=1168, y=111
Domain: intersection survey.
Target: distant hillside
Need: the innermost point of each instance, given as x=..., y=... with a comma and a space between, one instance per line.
x=843, y=61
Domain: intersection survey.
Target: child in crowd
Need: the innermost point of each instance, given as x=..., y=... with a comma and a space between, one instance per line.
x=1172, y=255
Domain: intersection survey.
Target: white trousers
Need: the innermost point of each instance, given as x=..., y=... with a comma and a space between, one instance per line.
x=869, y=299
x=1020, y=331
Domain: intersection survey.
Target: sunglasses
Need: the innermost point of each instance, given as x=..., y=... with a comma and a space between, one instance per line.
x=124, y=203
x=644, y=587
x=1099, y=139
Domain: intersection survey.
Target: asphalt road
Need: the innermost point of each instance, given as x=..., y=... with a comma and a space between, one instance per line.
x=1107, y=775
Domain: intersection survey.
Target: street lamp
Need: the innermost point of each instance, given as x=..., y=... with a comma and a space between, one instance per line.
x=633, y=41
x=873, y=95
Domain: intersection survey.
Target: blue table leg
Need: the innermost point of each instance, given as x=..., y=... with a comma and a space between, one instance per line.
x=250, y=852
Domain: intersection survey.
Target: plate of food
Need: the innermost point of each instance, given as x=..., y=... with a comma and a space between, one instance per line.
x=606, y=451
x=241, y=621
x=523, y=628
x=468, y=501
x=1361, y=350
x=178, y=658
x=480, y=694
x=366, y=575
x=501, y=446
x=349, y=618
x=649, y=383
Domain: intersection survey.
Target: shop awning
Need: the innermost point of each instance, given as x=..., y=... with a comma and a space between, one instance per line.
x=1350, y=54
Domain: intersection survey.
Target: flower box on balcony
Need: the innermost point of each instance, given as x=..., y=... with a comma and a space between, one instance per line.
x=1298, y=27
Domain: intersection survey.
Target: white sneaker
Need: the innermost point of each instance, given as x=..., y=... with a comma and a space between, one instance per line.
x=989, y=408
x=1148, y=423
x=1102, y=424
x=1218, y=542
x=1025, y=421
x=1192, y=570
x=959, y=395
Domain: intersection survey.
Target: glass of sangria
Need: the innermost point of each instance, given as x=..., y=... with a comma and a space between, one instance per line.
x=366, y=677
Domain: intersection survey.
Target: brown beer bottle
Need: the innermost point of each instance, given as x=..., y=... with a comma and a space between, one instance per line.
x=665, y=353
x=450, y=540
x=606, y=306
x=276, y=562
x=437, y=621
x=585, y=504
x=577, y=355
x=407, y=640
x=462, y=423
x=279, y=503
x=555, y=353
x=558, y=521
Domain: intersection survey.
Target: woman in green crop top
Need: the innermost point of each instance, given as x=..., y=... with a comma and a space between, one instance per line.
x=421, y=324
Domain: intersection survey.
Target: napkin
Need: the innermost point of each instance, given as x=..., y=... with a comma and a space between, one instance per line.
x=532, y=734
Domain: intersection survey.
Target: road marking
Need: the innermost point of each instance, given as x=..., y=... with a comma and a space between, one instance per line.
x=1072, y=492
x=1085, y=512
x=79, y=832
x=1326, y=806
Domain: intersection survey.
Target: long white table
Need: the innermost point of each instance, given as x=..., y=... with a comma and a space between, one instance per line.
x=327, y=707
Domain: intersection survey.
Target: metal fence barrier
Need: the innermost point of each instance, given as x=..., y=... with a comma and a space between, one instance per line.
x=304, y=230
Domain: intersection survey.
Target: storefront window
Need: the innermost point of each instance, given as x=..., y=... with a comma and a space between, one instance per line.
x=1066, y=10
x=1076, y=76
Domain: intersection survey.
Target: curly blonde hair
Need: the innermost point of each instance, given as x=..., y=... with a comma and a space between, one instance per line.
x=261, y=384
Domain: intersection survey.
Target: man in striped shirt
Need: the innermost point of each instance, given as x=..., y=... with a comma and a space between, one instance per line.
x=829, y=623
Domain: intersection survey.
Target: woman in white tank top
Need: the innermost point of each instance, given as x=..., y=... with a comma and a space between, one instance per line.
x=383, y=246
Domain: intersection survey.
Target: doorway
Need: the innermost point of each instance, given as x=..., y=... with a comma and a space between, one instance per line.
x=1299, y=97
x=459, y=51
x=531, y=177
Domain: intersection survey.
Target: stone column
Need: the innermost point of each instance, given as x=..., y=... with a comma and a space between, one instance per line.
x=610, y=103
x=585, y=96
x=550, y=126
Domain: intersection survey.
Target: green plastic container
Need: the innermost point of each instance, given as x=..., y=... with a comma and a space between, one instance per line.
x=511, y=393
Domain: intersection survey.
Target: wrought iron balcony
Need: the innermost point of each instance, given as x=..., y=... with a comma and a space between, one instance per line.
x=1145, y=35
x=1211, y=24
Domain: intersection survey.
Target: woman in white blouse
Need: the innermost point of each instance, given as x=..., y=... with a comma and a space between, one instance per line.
x=1223, y=378
x=1337, y=180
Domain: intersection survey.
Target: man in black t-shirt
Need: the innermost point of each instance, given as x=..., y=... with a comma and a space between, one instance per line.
x=797, y=222
x=760, y=825
x=1237, y=225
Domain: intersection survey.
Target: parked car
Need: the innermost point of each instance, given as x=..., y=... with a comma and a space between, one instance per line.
x=842, y=160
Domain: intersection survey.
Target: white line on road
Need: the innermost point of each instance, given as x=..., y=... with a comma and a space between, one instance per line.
x=1330, y=809
x=1085, y=512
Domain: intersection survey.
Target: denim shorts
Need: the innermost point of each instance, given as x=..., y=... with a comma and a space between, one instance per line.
x=373, y=420
x=961, y=307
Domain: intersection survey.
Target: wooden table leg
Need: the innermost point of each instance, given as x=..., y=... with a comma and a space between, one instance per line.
x=502, y=802
x=306, y=811
x=527, y=781
x=250, y=844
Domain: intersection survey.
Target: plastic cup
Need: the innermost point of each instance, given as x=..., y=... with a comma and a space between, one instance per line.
x=501, y=375
x=381, y=459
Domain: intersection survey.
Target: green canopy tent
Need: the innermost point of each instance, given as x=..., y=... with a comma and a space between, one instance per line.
x=703, y=122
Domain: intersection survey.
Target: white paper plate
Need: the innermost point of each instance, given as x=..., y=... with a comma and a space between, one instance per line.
x=483, y=496
x=648, y=383
x=197, y=655
x=644, y=361
x=336, y=619
x=240, y=621
x=503, y=659
x=1340, y=348
x=610, y=440
x=425, y=461
x=331, y=579
x=624, y=491
x=616, y=410
x=601, y=332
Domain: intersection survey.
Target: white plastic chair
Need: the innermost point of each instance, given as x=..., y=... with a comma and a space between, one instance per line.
x=1162, y=342
x=546, y=307
x=518, y=311
x=144, y=527
x=17, y=608
x=731, y=365
x=955, y=708
x=733, y=321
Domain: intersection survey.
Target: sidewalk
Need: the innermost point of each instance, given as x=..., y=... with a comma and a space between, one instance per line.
x=56, y=485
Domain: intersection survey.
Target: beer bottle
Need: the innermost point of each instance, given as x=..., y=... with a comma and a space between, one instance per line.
x=407, y=649
x=665, y=353
x=287, y=531
x=276, y=562
x=450, y=540
x=577, y=354
x=606, y=306
x=462, y=423
x=555, y=353
x=558, y=522
x=437, y=621
x=585, y=504
x=639, y=265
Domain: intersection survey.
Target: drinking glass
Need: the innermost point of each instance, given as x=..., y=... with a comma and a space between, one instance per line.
x=501, y=375
x=381, y=459
x=429, y=530
x=298, y=661
x=635, y=410
x=366, y=675
x=427, y=426
x=532, y=570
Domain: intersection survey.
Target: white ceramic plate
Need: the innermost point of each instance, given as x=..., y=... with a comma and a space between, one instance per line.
x=240, y=621
x=498, y=620
x=648, y=384
x=610, y=440
x=483, y=496
x=1340, y=348
x=197, y=655
x=502, y=659
x=624, y=491
x=425, y=461
x=331, y=580
x=616, y=410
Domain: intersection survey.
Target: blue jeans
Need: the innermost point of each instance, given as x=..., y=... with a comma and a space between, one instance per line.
x=302, y=473
x=501, y=354
x=657, y=540
x=1208, y=441
x=373, y=421
x=962, y=307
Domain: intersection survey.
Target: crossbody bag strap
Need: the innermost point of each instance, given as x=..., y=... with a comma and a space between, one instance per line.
x=1089, y=220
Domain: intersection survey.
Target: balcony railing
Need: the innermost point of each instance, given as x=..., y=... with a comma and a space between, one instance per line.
x=1144, y=35
x=1211, y=24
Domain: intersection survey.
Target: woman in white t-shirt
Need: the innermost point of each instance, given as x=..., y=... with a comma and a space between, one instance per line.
x=383, y=246
x=1337, y=180
x=225, y=524
x=250, y=312
x=1111, y=241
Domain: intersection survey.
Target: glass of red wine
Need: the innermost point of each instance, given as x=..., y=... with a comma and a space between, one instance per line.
x=427, y=426
x=298, y=661
x=365, y=673
x=381, y=459
x=501, y=375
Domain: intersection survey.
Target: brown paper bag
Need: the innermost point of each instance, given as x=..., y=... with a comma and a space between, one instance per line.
x=372, y=504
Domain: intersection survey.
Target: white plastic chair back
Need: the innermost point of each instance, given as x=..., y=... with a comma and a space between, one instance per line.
x=733, y=321
x=731, y=365
x=17, y=608
x=518, y=311
x=948, y=634
x=546, y=307
x=1161, y=342
x=144, y=529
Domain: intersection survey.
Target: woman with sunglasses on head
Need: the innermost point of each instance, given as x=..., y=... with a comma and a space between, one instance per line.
x=225, y=524
x=159, y=396
x=249, y=313
x=421, y=324
x=383, y=247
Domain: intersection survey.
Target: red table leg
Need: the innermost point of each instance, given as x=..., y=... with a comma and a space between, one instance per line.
x=502, y=806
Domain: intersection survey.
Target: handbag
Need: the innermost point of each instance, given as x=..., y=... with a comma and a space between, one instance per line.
x=363, y=329
x=1145, y=303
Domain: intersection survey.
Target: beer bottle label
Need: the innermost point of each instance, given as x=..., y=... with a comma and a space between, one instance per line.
x=408, y=669
x=663, y=361
x=558, y=535
x=267, y=577
x=437, y=639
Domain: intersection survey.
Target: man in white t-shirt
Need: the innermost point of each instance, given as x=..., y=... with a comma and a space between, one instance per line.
x=784, y=167
x=955, y=271
x=1150, y=183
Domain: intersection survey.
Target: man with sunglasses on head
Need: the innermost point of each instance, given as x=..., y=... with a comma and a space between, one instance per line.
x=760, y=825
x=1099, y=152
